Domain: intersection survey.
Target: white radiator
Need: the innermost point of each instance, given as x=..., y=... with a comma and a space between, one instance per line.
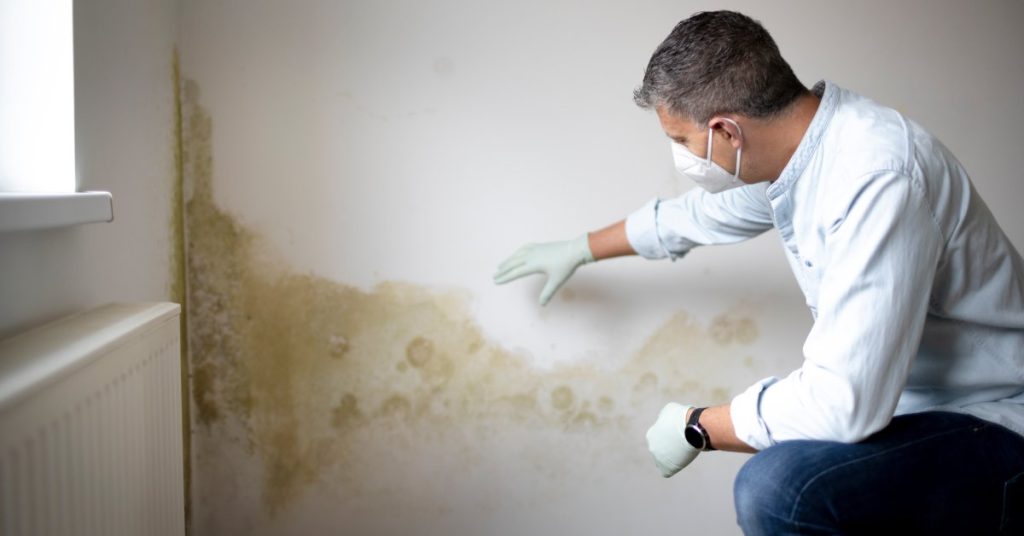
x=90, y=425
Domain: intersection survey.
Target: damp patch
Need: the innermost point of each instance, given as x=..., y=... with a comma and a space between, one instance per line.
x=303, y=385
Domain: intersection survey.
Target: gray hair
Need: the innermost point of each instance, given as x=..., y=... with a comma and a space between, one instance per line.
x=718, y=62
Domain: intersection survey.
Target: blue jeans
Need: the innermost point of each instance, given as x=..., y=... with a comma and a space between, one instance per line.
x=926, y=473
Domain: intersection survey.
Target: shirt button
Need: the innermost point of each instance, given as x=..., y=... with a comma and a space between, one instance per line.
x=809, y=264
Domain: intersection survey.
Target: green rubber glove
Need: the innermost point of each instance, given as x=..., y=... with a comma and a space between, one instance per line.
x=556, y=259
x=666, y=441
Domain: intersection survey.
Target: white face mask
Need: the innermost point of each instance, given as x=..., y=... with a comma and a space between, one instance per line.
x=704, y=171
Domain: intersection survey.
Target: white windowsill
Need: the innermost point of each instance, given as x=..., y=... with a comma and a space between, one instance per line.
x=24, y=211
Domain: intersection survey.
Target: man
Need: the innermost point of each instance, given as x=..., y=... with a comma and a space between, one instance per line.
x=908, y=411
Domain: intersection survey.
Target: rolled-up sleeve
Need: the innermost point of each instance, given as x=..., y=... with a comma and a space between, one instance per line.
x=875, y=284
x=672, y=227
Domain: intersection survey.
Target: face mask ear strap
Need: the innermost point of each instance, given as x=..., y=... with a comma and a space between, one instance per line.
x=739, y=159
x=711, y=137
x=739, y=152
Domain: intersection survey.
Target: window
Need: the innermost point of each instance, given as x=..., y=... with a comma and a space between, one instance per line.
x=37, y=120
x=37, y=97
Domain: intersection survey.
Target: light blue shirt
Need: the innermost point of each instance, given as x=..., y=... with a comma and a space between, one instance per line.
x=917, y=294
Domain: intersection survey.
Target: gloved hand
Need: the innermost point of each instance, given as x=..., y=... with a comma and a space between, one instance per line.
x=556, y=259
x=666, y=442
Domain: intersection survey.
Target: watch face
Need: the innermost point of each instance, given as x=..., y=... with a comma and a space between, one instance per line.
x=694, y=437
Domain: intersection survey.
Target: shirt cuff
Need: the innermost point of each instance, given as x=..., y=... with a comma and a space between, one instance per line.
x=642, y=232
x=745, y=411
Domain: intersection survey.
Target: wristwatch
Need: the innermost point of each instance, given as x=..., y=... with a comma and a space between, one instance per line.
x=695, y=434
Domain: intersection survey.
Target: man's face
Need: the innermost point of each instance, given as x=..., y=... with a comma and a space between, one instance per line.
x=695, y=137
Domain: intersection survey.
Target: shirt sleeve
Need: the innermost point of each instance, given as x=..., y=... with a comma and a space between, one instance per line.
x=672, y=227
x=875, y=286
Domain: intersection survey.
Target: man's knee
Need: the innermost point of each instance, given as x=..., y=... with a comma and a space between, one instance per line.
x=769, y=485
x=756, y=490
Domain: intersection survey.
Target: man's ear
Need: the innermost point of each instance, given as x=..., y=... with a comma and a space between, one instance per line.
x=728, y=127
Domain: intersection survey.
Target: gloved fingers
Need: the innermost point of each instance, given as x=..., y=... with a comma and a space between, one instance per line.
x=555, y=282
x=665, y=440
x=667, y=470
x=513, y=260
x=517, y=272
x=507, y=267
x=518, y=257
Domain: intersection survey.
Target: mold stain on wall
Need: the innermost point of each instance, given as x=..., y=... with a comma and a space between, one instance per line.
x=329, y=387
x=177, y=291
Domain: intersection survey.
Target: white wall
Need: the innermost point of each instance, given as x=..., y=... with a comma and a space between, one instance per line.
x=124, y=135
x=368, y=142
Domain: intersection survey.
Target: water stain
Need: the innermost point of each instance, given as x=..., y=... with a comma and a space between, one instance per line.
x=177, y=216
x=338, y=346
x=178, y=271
x=347, y=412
x=324, y=386
x=395, y=405
x=419, y=352
x=204, y=393
x=728, y=328
x=647, y=383
x=585, y=419
x=562, y=397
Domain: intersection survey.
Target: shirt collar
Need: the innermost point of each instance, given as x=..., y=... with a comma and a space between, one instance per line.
x=829, y=94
